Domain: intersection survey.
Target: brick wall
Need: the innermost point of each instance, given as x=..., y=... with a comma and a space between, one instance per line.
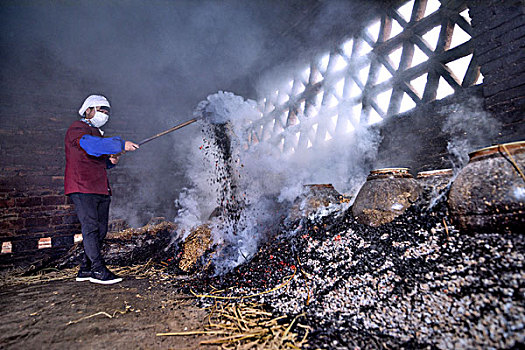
x=32, y=201
x=416, y=139
x=499, y=28
x=39, y=99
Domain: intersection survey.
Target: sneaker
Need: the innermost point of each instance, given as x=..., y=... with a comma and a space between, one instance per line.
x=103, y=276
x=83, y=275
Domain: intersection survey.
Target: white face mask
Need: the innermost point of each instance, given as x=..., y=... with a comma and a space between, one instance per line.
x=99, y=119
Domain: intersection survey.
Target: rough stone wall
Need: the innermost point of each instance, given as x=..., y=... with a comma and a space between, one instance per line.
x=417, y=139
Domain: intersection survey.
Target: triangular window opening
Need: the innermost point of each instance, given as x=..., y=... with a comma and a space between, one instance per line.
x=284, y=116
x=395, y=57
x=299, y=88
x=383, y=75
x=459, y=36
x=406, y=103
x=466, y=16
x=363, y=74
x=432, y=37
x=396, y=28
x=331, y=101
x=363, y=48
x=444, y=89
x=281, y=145
x=479, y=80
x=306, y=75
x=339, y=63
x=318, y=99
x=289, y=86
x=334, y=120
x=459, y=67
x=374, y=117
x=419, y=84
x=347, y=47
x=406, y=10
x=339, y=87
x=348, y=127
x=323, y=62
x=383, y=99
x=283, y=98
x=356, y=114
x=432, y=6
x=312, y=111
x=301, y=107
x=269, y=107
x=355, y=91
x=373, y=30
x=316, y=77
x=419, y=56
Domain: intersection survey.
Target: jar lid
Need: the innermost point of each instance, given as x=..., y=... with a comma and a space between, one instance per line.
x=385, y=172
x=511, y=146
x=438, y=172
x=320, y=185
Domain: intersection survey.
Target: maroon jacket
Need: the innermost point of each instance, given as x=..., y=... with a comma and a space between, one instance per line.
x=84, y=173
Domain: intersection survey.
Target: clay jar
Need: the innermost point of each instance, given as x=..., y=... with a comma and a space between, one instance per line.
x=488, y=194
x=386, y=194
x=314, y=197
x=433, y=184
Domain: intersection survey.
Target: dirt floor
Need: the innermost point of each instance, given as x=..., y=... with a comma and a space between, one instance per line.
x=65, y=314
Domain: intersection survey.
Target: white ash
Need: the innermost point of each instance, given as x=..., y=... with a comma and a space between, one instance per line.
x=472, y=296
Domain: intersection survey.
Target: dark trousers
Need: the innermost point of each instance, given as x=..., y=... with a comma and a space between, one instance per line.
x=93, y=212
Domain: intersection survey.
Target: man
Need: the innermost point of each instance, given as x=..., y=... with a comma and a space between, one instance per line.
x=88, y=155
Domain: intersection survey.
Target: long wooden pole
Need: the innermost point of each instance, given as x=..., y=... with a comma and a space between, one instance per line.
x=181, y=125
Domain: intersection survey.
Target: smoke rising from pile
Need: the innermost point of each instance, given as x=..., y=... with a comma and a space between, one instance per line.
x=261, y=182
x=469, y=128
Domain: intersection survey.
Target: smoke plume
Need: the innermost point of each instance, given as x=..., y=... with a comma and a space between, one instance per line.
x=470, y=128
x=262, y=182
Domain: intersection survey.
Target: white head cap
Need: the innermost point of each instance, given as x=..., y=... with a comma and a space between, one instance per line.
x=93, y=101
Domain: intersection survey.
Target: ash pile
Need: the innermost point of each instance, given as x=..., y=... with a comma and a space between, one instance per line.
x=415, y=282
x=389, y=270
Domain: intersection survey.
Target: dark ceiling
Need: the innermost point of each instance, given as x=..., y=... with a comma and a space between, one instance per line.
x=168, y=53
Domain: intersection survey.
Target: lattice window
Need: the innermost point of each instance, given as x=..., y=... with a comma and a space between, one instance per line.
x=413, y=54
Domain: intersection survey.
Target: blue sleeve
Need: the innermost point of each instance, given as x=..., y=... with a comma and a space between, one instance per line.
x=99, y=146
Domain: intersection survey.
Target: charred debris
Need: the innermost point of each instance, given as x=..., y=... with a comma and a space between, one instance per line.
x=413, y=282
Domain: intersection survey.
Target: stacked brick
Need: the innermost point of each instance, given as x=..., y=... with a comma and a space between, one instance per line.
x=499, y=35
x=33, y=221
x=35, y=218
